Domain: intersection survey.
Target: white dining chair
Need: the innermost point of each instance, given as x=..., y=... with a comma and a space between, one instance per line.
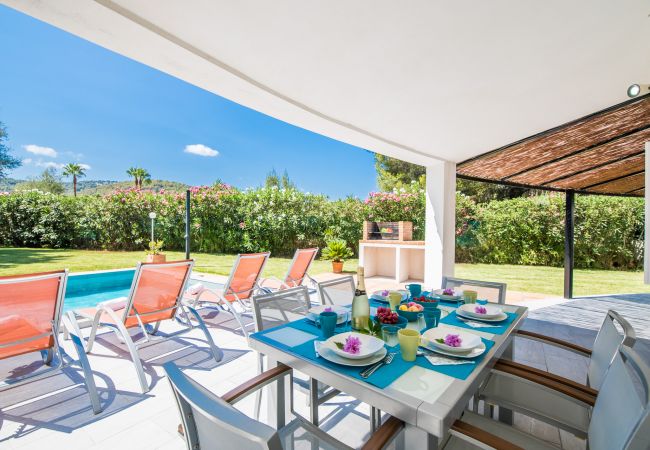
x=339, y=291
x=620, y=419
x=279, y=308
x=212, y=422
x=487, y=290
x=549, y=397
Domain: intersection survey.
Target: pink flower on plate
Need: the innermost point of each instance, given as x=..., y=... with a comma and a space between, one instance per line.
x=452, y=340
x=328, y=309
x=480, y=310
x=352, y=345
x=448, y=291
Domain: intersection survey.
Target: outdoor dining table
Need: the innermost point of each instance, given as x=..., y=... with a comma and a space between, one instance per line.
x=428, y=398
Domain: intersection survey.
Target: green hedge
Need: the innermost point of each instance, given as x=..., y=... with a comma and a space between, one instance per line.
x=525, y=230
x=224, y=219
x=609, y=231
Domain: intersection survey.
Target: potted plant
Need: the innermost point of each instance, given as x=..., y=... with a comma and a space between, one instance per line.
x=337, y=251
x=155, y=254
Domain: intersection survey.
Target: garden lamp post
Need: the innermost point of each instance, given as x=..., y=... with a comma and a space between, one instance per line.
x=152, y=216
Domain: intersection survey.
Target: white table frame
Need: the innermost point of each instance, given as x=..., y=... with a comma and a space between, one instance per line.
x=434, y=416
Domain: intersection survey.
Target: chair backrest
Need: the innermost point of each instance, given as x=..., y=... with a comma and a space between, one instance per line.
x=156, y=291
x=620, y=418
x=606, y=344
x=339, y=291
x=244, y=276
x=30, y=311
x=210, y=422
x=278, y=308
x=300, y=264
x=488, y=290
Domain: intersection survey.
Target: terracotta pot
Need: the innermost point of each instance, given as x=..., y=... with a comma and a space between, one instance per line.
x=337, y=267
x=156, y=259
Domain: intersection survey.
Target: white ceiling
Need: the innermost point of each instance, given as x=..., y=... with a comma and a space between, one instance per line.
x=417, y=80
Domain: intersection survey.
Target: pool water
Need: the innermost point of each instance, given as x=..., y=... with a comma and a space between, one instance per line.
x=87, y=290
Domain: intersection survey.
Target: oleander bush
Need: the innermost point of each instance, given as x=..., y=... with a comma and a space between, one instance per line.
x=524, y=230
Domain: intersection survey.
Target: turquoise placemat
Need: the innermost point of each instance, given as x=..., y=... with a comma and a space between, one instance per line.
x=502, y=327
x=381, y=378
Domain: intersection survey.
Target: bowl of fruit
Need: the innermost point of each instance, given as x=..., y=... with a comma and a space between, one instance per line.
x=410, y=310
x=426, y=301
x=387, y=317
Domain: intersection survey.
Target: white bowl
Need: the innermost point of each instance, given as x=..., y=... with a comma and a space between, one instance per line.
x=468, y=340
x=369, y=345
x=492, y=311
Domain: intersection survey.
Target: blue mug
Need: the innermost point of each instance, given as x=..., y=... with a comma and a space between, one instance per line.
x=415, y=289
x=431, y=317
x=327, y=323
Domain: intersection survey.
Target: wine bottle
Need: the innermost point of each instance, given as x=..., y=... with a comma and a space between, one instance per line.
x=360, y=304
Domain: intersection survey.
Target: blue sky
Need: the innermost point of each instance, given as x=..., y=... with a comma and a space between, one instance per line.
x=63, y=96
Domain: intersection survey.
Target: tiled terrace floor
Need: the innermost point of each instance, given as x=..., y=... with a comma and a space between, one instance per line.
x=132, y=420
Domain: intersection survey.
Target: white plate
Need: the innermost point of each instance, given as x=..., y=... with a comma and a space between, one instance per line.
x=469, y=341
x=500, y=318
x=380, y=298
x=476, y=351
x=492, y=311
x=341, y=311
x=329, y=355
x=369, y=345
x=451, y=298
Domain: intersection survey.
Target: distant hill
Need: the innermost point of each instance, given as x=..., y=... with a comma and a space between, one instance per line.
x=91, y=187
x=8, y=184
x=108, y=187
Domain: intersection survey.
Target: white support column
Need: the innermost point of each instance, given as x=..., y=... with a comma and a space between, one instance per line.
x=440, y=229
x=646, y=246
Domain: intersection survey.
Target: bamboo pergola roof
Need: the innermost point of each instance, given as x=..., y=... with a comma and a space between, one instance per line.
x=603, y=153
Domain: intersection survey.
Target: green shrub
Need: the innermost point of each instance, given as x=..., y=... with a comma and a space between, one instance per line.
x=524, y=230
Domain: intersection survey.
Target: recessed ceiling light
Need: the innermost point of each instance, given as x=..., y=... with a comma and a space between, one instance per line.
x=638, y=89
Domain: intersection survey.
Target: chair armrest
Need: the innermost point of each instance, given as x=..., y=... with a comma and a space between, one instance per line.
x=261, y=282
x=384, y=434
x=550, y=376
x=256, y=383
x=554, y=341
x=577, y=394
x=464, y=430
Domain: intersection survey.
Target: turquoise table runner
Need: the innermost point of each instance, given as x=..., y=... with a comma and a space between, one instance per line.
x=451, y=319
x=298, y=339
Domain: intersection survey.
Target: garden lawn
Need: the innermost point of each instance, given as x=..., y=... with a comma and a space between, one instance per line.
x=28, y=260
x=537, y=279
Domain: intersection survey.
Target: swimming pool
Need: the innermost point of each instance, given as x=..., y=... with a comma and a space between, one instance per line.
x=88, y=289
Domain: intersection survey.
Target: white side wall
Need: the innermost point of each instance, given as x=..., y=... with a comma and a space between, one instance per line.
x=440, y=229
x=646, y=247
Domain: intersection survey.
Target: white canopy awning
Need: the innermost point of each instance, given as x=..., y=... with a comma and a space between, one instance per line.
x=418, y=80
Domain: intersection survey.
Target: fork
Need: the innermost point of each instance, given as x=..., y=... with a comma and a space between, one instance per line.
x=372, y=369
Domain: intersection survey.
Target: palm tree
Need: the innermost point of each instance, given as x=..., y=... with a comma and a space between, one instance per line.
x=75, y=171
x=140, y=176
x=133, y=172
x=144, y=177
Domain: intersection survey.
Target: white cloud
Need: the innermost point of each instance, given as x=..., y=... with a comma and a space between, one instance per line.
x=40, y=150
x=201, y=150
x=49, y=164
x=27, y=161
x=85, y=166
